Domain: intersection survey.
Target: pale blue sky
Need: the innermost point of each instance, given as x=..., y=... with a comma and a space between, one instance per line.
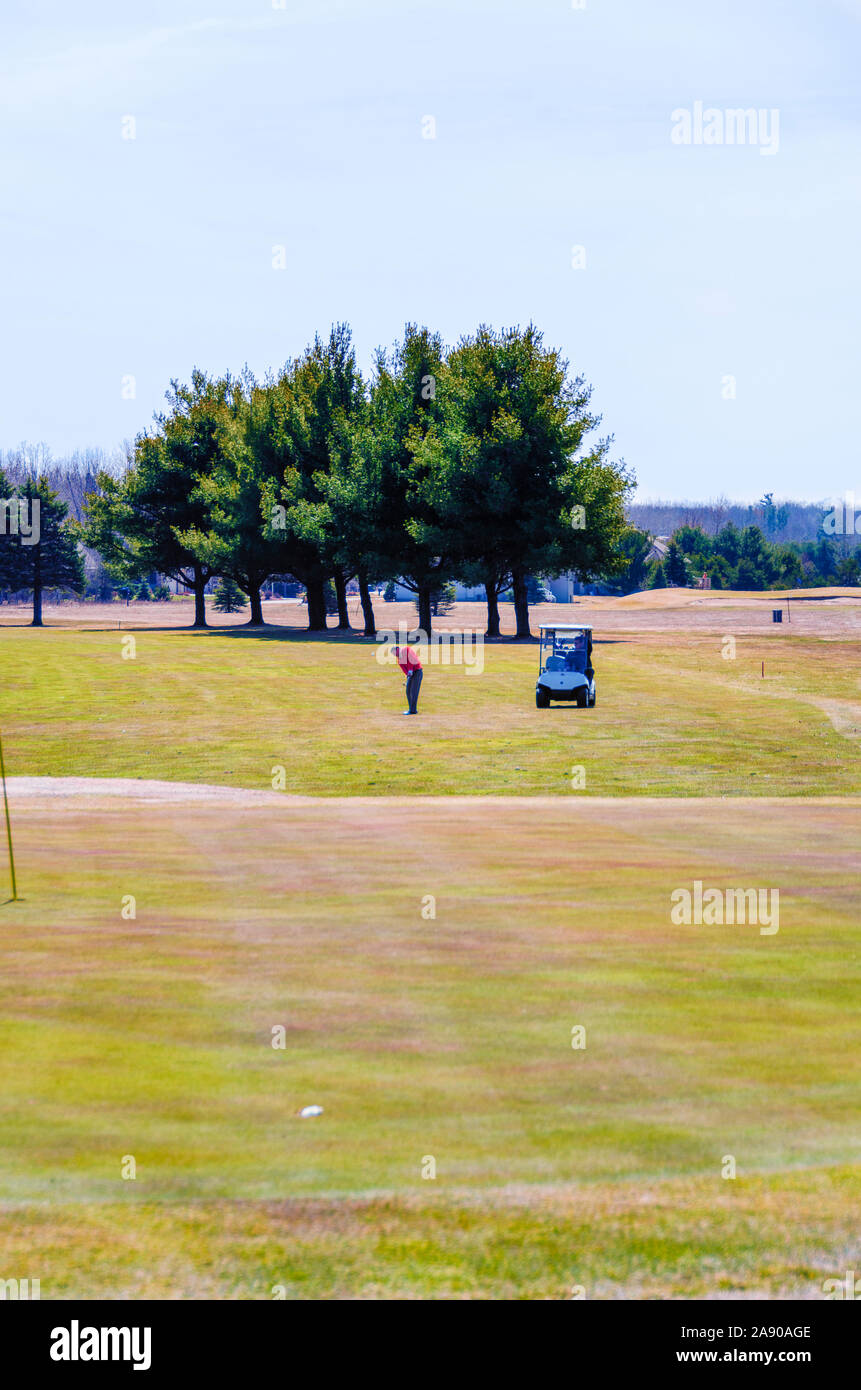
x=301, y=126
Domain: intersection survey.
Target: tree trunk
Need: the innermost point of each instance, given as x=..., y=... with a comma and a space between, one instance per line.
x=492, y=611
x=316, y=592
x=341, y=595
x=37, y=588
x=425, y=608
x=367, y=607
x=521, y=603
x=256, y=619
x=199, y=599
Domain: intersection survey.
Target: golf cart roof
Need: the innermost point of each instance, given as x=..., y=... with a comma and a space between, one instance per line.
x=565, y=627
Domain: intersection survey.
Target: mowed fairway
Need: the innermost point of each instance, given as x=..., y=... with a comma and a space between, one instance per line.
x=674, y=716
x=445, y=1036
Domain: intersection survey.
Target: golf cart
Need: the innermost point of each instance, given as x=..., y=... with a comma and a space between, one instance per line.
x=565, y=666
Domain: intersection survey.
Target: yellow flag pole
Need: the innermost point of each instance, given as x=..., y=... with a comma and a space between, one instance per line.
x=8, y=824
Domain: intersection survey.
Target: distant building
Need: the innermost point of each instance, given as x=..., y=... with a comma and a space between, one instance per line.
x=658, y=550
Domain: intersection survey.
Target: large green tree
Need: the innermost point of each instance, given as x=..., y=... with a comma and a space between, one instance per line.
x=232, y=540
x=511, y=475
x=415, y=541
x=305, y=417
x=350, y=519
x=136, y=522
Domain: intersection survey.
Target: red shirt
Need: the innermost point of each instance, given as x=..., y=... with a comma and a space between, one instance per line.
x=407, y=660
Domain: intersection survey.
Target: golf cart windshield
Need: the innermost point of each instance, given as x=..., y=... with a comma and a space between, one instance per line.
x=565, y=651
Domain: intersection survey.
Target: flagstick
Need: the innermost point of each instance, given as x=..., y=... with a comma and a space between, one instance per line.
x=8, y=824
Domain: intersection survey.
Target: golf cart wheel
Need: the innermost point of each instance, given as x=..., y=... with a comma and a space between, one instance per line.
x=582, y=699
x=542, y=699
x=593, y=700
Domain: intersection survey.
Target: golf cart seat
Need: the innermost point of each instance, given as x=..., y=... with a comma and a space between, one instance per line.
x=555, y=663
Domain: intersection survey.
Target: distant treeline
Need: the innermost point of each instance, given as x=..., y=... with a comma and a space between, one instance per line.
x=70, y=477
x=782, y=520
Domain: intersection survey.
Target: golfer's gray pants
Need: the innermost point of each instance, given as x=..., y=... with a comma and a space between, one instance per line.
x=414, y=682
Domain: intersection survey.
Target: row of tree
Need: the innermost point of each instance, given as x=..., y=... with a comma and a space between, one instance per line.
x=474, y=463
x=736, y=559
x=470, y=463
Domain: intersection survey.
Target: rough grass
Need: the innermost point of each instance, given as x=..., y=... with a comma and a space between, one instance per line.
x=445, y=1036
x=755, y=1237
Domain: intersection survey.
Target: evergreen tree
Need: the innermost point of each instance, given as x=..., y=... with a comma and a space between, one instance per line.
x=756, y=568
x=506, y=474
x=228, y=596
x=775, y=517
x=788, y=562
x=304, y=431
x=232, y=540
x=727, y=544
x=135, y=522
x=721, y=574
x=414, y=540
x=443, y=598
x=675, y=569
x=825, y=560
x=350, y=518
x=43, y=554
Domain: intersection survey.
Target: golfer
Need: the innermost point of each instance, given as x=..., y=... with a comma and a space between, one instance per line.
x=412, y=669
